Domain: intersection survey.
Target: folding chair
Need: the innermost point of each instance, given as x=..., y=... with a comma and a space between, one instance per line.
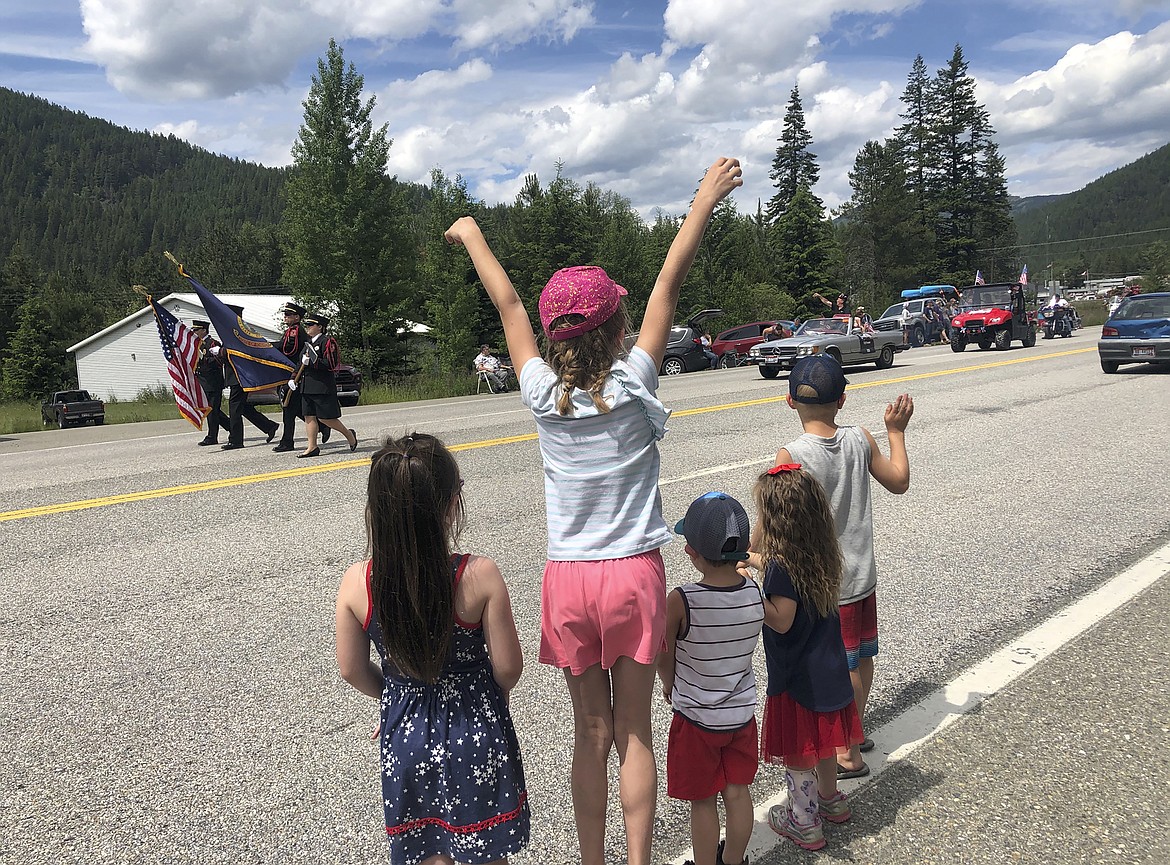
x=484, y=380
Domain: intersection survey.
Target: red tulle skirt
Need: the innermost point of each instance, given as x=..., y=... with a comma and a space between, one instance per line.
x=793, y=734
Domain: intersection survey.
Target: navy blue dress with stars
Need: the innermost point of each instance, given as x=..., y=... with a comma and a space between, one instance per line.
x=452, y=780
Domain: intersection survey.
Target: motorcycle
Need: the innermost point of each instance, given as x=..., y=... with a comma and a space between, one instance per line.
x=1057, y=322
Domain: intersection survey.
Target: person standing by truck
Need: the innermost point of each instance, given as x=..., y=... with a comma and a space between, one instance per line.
x=209, y=371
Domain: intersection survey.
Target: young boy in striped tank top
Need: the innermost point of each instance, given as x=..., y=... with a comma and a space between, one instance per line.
x=712, y=627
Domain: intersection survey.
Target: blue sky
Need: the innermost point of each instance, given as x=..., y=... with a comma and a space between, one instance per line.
x=636, y=95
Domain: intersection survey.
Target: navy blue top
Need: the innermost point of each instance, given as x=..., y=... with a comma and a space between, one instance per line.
x=808, y=662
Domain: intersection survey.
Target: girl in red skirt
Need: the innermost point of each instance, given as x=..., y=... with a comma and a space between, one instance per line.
x=810, y=713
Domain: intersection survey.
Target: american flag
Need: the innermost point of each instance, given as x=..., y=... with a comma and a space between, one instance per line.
x=181, y=349
x=1024, y=275
x=979, y=278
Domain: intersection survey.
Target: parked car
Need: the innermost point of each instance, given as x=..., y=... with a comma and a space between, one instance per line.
x=1137, y=332
x=349, y=389
x=733, y=346
x=836, y=337
x=683, y=350
x=72, y=407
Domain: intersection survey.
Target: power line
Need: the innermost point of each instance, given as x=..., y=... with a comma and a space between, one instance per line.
x=1047, y=243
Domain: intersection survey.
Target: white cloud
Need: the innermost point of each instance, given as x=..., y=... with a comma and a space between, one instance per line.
x=437, y=83
x=202, y=50
x=216, y=48
x=1115, y=88
x=503, y=23
x=187, y=130
x=391, y=20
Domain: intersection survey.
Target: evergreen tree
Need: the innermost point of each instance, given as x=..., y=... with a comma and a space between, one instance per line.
x=52, y=318
x=346, y=242
x=17, y=280
x=794, y=166
x=912, y=136
x=449, y=287
x=804, y=240
x=886, y=247
x=956, y=137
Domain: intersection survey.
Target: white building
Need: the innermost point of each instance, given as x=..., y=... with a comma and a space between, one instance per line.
x=126, y=358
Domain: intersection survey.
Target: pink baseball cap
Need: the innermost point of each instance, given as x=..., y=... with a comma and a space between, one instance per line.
x=586, y=291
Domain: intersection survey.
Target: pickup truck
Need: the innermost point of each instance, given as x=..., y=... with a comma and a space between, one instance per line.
x=836, y=337
x=72, y=407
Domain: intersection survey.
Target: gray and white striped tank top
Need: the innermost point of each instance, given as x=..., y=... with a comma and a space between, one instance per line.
x=714, y=684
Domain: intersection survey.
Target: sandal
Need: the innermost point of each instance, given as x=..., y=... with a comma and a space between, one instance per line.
x=844, y=772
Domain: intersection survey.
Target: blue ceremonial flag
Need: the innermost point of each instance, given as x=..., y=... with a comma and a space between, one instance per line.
x=258, y=365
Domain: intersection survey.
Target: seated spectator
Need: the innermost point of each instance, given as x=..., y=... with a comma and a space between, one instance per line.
x=488, y=363
x=866, y=321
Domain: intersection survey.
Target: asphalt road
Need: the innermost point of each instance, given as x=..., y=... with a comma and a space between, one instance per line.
x=169, y=691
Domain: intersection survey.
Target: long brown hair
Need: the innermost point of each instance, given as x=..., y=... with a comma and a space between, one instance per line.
x=585, y=360
x=414, y=510
x=794, y=526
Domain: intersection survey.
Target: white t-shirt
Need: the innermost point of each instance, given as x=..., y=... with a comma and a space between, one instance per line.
x=487, y=361
x=905, y=316
x=600, y=470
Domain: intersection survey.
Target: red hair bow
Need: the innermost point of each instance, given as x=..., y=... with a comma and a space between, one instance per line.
x=784, y=467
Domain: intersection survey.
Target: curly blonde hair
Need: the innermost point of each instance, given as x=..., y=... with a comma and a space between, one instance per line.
x=795, y=528
x=584, y=361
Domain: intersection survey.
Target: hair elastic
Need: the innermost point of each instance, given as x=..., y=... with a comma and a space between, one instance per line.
x=784, y=467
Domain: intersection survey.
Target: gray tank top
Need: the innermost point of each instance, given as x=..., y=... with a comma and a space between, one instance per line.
x=841, y=464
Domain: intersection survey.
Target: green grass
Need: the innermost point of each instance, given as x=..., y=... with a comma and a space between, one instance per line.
x=158, y=404
x=417, y=387
x=1093, y=313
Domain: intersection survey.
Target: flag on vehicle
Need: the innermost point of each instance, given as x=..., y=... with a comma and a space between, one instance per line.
x=258, y=364
x=181, y=349
x=979, y=278
x=1024, y=275
x=1086, y=273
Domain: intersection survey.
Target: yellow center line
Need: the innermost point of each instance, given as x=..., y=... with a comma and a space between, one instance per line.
x=144, y=495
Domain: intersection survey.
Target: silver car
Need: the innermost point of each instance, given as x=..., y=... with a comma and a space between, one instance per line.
x=836, y=337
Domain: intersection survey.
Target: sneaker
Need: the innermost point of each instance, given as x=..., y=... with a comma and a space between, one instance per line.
x=836, y=809
x=782, y=823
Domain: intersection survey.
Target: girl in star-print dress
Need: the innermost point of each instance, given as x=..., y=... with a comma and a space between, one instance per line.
x=452, y=780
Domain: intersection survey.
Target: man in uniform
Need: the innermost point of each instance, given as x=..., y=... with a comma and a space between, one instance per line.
x=292, y=346
x=318, y=386
x=209, y=371
x=239, y=407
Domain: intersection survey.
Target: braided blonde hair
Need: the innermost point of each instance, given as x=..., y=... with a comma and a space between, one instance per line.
x=584, y=361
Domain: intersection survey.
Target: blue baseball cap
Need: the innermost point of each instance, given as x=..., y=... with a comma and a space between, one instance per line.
x=822, y=374
x=716, y=527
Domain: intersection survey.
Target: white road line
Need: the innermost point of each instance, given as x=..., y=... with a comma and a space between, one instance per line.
x=925, y=720
x=715, y=470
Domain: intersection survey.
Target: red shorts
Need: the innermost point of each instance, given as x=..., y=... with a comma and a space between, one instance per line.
x=859, y=629
x=596, y=612
x=700, y=763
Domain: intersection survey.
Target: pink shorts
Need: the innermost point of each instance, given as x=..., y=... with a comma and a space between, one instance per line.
x=596, y=612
